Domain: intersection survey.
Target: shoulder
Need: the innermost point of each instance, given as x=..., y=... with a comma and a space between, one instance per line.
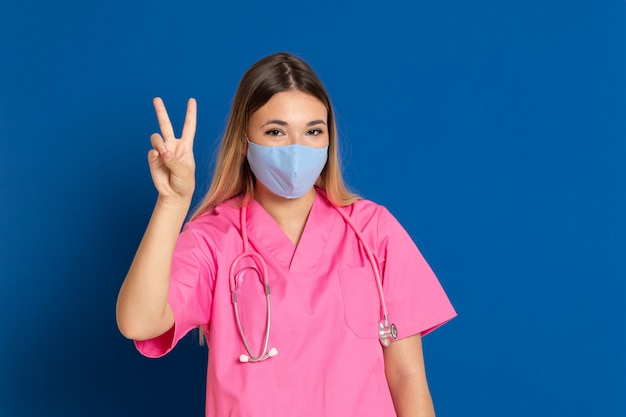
x=204, y=240
x=223, y=218
x=367, y=212
x=377, y=222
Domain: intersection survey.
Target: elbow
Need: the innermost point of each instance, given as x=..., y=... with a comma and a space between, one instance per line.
x=132, y=331
x=127, y=325
x=141, y=327
x=127, y=332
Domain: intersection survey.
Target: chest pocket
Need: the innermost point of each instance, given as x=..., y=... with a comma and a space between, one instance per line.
x=360, y=301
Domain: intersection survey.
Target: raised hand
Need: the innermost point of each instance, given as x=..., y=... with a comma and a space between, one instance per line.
x=142, y=308
x=171, y=160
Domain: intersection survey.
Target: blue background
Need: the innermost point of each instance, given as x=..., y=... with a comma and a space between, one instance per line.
x=493, y=130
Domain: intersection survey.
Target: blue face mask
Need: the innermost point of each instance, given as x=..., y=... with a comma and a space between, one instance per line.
x=288, y=171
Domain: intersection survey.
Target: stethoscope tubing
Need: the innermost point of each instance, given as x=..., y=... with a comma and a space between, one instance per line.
x=371, y=258
x=385, y=329
x=233, y=284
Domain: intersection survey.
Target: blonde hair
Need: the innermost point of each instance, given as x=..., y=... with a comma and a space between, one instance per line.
x=273, y=74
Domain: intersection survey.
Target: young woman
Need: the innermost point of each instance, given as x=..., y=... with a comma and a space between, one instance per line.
x=312, y=300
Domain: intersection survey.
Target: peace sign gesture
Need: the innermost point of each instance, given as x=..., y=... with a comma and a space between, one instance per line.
x=171, y=160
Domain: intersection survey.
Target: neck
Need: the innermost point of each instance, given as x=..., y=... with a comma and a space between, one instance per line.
x=289, y=214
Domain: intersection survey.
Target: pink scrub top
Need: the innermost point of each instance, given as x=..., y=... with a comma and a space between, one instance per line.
x=325, y=309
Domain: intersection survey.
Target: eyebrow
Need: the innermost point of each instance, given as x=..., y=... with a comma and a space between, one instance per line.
x=283, y=123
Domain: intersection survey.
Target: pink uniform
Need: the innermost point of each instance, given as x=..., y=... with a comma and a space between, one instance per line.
x=325, y=310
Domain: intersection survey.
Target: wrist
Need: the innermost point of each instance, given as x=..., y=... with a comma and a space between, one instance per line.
x=179, y=203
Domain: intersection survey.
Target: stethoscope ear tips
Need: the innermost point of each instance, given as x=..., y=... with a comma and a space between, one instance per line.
x=245, y=358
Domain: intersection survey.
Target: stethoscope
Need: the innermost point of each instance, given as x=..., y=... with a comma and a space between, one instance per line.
x=386, y=331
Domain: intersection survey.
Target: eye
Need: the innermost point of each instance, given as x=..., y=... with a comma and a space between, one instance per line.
x=274, y=132
x=315, y=132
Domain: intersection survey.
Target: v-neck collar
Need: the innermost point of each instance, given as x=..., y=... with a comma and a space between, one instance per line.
x=268, y=238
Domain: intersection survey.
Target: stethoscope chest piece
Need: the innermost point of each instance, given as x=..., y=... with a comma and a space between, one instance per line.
x=387, y=332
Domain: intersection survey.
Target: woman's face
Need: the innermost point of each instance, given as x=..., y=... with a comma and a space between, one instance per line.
x=288, y=118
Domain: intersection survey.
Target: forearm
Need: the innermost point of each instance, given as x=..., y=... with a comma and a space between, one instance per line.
x=406, y=376
x=411, y=397
x=142, y=309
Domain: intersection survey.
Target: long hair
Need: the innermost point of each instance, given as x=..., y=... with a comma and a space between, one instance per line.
x=273, y=74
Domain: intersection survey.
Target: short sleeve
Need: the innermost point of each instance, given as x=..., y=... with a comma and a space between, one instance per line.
x=416, y=301
x=190, y=294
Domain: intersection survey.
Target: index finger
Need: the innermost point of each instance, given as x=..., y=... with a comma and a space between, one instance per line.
x=167, y=131
x=189, y=128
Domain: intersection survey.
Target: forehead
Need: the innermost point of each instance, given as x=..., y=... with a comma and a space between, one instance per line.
x=292, y=104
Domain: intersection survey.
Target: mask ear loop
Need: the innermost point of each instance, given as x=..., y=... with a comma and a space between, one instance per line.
x=386, y=331
x=245, y=143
